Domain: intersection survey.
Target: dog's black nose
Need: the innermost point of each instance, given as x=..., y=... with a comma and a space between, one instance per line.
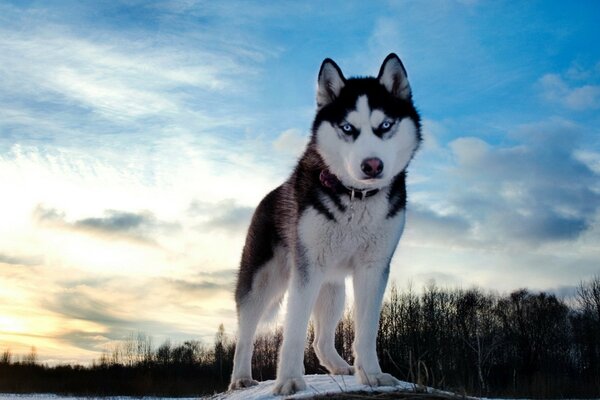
x=372, y=167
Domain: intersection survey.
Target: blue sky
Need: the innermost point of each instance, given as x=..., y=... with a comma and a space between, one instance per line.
x=137, y=137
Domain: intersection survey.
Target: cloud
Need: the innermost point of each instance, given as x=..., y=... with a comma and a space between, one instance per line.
x=78, y=303
x=426, y=225
x=291, y=142
x=591, y=159
x=91, y=341
x=201, y=284
x=537, y=191
x=94, y=312
x=554, y=89
x=226, y=215
x=117, y=221
x=128, y=81
x=138, y=226
x=68, y=78
x=44, y=215
x=540, y=190
x=567, y=292
x=198, y=289
x=19, y=260
x=439, y=278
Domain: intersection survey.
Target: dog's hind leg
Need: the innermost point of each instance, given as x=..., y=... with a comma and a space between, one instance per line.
x=327, y=313
x=249, y=314
x=303, y=292
x=268, y=288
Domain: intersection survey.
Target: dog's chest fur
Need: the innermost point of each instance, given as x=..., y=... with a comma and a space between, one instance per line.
x=361, y=235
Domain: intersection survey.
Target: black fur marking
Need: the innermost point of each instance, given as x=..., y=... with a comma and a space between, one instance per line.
x=386, y=272
x=302, y=263
x=382, y=132
x=348, y=136
x=335, y=198
x=397, y=195
x=318, y=205
x=334, y=187
x=263, y=236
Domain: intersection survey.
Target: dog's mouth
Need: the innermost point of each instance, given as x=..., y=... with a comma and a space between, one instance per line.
x=367, y=184
x=370, y=182
x=330, y=180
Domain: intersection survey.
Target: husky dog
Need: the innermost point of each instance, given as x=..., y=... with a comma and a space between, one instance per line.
x=340, y=213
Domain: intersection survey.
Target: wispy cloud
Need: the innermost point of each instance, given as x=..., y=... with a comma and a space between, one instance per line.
x=123, y=80
x=291, y=143
x=19, y=260
x=71, y=83
x=138, y=226
x=435, y=227
x=83, y=313
x=225, y=215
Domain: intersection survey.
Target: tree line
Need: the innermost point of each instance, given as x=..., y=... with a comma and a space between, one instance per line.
x=522, y=344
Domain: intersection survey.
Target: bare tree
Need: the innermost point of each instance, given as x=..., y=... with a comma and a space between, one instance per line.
x=31, y=358
x=6, y=357
x=588, y=296
x=163, y=353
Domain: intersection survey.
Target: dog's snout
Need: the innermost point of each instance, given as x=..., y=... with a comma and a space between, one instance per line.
x=372, y=167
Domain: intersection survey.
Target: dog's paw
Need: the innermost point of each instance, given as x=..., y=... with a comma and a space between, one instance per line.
x=241, y=383
x=289, y=386
x=379, y=379
x=347, y=370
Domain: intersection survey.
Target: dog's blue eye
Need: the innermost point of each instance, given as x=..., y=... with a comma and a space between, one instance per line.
x=386, y=125
x=347, y=128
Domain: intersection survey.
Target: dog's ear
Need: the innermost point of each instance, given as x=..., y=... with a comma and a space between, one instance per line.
x=330, y=83
x=393, y=76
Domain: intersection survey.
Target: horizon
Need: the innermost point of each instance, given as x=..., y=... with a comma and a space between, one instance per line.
x=136, y=138
x=116, y=349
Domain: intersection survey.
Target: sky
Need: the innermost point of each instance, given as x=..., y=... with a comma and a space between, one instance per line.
x=137, y=137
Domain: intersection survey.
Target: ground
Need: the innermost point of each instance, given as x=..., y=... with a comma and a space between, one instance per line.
x=337, y=387
x=319, y=387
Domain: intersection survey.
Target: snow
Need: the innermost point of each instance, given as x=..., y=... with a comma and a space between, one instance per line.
x=316, y=385
x=4, y=396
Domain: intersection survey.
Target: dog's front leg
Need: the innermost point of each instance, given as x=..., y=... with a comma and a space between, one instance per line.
x=304, y=287
x=369, y=283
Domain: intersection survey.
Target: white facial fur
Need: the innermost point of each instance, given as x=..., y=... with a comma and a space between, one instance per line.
x=344, y=157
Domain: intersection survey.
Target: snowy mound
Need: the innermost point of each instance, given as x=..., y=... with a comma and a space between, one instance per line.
x=316, y=385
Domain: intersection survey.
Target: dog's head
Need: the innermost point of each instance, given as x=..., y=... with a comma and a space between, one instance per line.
x=366, y=129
